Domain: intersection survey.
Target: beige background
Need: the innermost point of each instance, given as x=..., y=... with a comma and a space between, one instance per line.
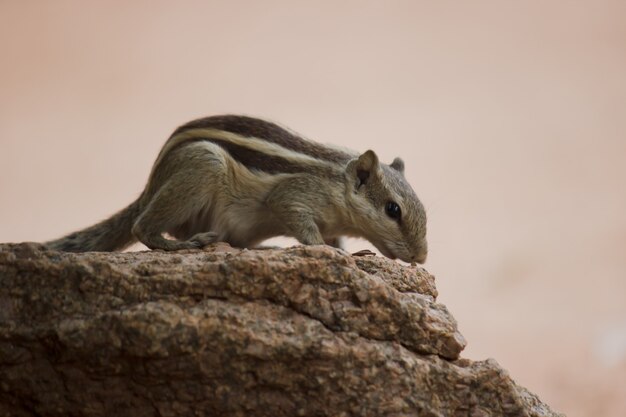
x=511, y=117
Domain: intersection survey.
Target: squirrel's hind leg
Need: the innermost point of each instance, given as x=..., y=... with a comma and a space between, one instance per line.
x=166, y=209
x=180, y=199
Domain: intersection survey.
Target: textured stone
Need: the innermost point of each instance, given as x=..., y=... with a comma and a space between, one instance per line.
x=301, y=331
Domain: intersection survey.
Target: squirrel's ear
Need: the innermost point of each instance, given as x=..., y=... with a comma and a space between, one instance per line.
x=398, y=165
x=365, y=166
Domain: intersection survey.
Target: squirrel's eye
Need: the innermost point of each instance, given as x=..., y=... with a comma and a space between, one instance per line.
x=393, y=210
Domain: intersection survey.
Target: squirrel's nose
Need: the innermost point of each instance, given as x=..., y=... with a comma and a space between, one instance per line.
x=420, y=258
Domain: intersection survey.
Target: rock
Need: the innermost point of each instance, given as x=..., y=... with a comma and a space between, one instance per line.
x=304, y=331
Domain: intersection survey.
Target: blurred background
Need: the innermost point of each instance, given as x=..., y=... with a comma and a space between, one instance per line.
x=511, y=117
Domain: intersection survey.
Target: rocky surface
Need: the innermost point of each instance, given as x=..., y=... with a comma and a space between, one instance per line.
x=305, y=331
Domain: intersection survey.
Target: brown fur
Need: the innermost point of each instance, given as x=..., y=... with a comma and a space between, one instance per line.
x=252, y=127
x=242, y=180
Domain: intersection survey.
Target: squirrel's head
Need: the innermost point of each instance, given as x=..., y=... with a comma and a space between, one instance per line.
x=387, y=211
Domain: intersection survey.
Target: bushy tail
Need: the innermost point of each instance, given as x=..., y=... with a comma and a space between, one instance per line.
x=111, y=234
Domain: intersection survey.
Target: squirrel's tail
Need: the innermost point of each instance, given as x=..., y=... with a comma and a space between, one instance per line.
x=111, y=234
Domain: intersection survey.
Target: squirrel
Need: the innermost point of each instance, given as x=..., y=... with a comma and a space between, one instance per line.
x=242, y=180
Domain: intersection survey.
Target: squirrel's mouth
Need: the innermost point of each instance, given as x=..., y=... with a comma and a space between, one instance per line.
x=385, y=251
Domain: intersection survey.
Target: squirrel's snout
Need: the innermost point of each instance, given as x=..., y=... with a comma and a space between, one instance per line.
x=420, y=258
x=421, y=255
